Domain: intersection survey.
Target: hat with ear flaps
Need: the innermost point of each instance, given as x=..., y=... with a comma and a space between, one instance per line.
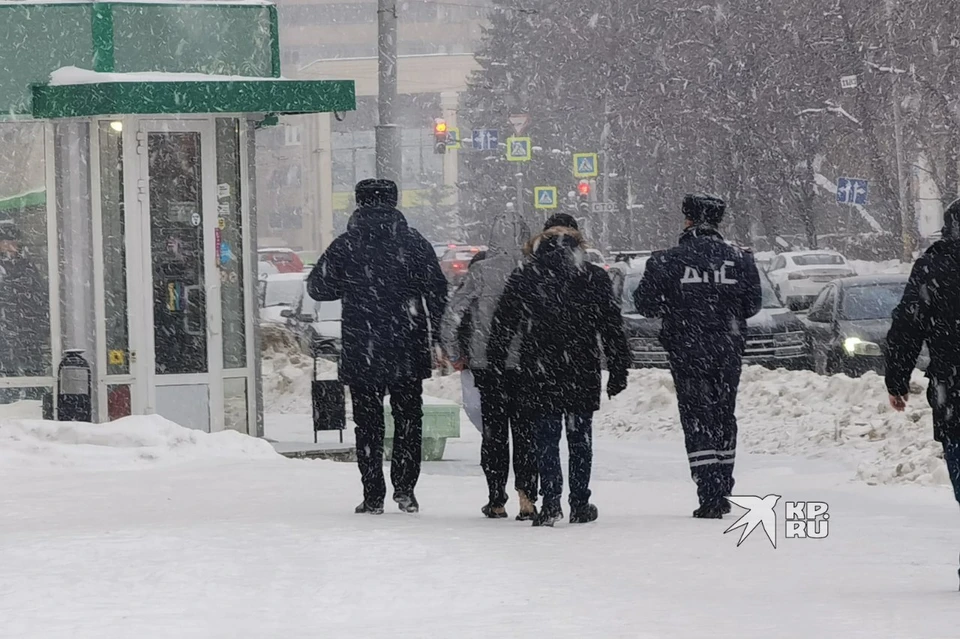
x=377, y=194
x=951, y=221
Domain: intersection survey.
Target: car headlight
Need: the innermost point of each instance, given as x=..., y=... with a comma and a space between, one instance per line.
x=857, y=346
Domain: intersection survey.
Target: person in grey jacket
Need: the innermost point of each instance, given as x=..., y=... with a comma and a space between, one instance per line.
x=477, y=299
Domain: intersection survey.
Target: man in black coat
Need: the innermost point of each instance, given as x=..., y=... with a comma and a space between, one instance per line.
x=930, y=312
x=393, y=296
x=704, y=289
x=564, y=309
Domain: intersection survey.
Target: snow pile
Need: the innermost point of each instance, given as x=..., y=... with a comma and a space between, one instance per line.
x=287, y=372
x=789, y=413
x=865, y=267
x=801, y=413
x=131, y=442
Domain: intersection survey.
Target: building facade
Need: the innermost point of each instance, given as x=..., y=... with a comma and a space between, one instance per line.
x=311, y=163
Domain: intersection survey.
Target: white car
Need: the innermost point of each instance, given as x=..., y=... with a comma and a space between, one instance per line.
x=279, y=292
x=799, y=276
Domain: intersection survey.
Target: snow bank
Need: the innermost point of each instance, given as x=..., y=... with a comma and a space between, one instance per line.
x=866, y=267
x=789, y=412
x=802, y=413
x=287, y=372
x=131, y=442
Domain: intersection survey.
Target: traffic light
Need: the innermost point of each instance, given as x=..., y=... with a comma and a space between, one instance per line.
x=583, y=197
x=440, y=136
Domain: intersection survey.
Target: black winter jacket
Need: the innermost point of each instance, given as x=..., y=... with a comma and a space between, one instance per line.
x=564, y=309
x=393, y=296
x=930, y=312
x=702, y=287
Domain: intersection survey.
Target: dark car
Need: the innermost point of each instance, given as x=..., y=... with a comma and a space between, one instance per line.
x=316, y=326
x=848, y=324
x=775, y=336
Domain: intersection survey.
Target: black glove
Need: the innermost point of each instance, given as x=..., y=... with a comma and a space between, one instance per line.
x=616, y=384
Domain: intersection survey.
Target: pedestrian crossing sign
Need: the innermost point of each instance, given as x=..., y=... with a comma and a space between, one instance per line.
x=519, y=149
x=585, y=165
x=453, y=138
x=545, y=197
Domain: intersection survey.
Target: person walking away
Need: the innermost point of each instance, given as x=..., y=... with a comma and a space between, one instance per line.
x=704, y=289
x=476, y=301
x=929, y=313
x=393, y=295
x=563, y=309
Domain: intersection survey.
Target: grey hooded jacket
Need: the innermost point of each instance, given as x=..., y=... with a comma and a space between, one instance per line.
x=480, y=293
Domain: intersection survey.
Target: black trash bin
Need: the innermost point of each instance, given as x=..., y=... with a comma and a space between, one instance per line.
x=74, y=388
x=329, y=404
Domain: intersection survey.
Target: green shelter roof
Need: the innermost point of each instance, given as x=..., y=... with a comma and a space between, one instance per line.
x=73, y=92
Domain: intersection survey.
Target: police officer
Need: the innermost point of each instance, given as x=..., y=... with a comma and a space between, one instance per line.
x=704, y=289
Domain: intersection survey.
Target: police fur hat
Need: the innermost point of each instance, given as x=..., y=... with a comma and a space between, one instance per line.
x=701, y=208
x=377, y=194
x=561, y=219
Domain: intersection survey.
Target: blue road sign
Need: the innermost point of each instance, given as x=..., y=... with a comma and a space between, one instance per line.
x=453, y=138
x=485, y=139
x=852, y=191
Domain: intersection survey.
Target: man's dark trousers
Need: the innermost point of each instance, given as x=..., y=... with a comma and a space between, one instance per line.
x=406, y=403
x=706, y=374
x=579, y=429
x=502, y=414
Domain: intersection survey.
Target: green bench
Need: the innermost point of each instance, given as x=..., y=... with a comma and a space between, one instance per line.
x=441, y=421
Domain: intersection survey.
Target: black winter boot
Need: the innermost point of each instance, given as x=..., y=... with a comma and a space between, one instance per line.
x=583, y=514
x=366, y=508
x=407, y=503
x=548, y=517
x=709, y=511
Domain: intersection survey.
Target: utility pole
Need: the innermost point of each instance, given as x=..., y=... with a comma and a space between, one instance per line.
x=903, y=179
x=388, y=133
x=605, y=185
x=519, y=177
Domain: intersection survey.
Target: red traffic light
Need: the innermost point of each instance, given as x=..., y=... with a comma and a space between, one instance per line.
x=583, y=188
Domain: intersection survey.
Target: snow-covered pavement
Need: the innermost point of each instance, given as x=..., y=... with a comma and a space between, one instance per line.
x=180, y=542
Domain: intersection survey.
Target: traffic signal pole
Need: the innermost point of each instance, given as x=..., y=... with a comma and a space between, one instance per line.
x=519, y=177
x=388, y=133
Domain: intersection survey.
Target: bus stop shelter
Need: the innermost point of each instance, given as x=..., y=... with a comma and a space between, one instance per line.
x=127, y=202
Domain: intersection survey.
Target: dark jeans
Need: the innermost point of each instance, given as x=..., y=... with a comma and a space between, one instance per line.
x=500, y=405
x=406, y=403
x=580, y=442
x=707, y=375
x=951, y=455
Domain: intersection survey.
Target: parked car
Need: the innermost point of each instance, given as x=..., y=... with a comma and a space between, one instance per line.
x=284, y=259
x=456, y=261
x=775, y=336
x=440, y=248
x=316, y=325
x=278, y=292
x=628, y=256
x=799, y=276
x=848, y=324
x=309, y=259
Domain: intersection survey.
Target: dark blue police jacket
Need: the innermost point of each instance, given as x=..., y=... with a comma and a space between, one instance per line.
x=702, y=288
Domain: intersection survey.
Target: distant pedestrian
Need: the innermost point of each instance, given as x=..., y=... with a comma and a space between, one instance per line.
x=705, y=290
x=475, y=304
x=393, y=296
x=929, y=313
x=563, y=309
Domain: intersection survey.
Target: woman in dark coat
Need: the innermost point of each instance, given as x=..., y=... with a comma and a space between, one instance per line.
x=564, y=309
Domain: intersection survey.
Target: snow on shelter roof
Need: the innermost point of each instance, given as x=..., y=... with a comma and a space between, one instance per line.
x=68, y=76
x=74, y=92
